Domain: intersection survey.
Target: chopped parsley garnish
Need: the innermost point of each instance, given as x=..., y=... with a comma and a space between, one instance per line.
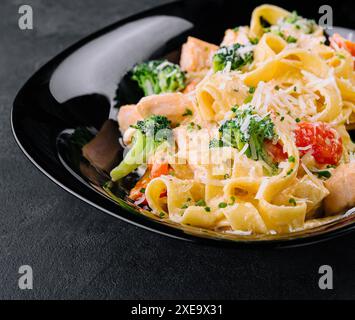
x=222, y=205
x=292, y=201
x=251, y=90
x=254, y=40
x=232, y=201
x=188, y=112
x=324, y=174
x=291, y=39
x=291, y=159
x=248, y=99
x=201, y=203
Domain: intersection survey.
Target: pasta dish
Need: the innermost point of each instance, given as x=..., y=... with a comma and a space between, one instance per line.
x=250, y=136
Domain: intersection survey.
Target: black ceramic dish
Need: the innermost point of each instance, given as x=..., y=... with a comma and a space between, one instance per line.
x=78, y=88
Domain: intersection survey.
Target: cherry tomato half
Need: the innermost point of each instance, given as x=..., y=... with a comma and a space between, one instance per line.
x=322, y=141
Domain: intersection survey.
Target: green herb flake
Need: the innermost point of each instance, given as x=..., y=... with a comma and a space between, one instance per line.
x=248, y=99
x=324, y=174
x=232, y=201
x=188, y=112
x=291, y=159
x=291, y=39
x=201, y=203
x=251, y=90
x=292, y=201
x=222, y=205
x=254, y=41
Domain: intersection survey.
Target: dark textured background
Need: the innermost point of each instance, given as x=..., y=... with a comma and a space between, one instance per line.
x=78, y=252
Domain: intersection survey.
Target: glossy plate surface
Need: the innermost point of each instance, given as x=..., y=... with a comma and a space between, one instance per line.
x=78, y=88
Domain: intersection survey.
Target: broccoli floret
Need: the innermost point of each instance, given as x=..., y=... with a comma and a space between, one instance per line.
x=153, y=125
x=150, y=134
x=159, y=76
x=247, y=127
x=233, y=56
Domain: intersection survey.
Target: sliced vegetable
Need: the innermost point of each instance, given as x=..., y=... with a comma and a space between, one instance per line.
x=320, y=140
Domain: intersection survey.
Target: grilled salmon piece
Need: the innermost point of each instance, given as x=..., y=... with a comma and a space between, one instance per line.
x=197, y=55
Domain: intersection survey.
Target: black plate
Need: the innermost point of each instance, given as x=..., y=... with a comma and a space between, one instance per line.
x=77, y=89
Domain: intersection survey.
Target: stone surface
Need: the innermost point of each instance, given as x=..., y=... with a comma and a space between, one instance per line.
x=78, y=252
